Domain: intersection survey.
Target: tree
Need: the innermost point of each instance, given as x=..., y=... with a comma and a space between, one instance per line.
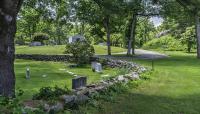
x=188, y=37
x=101, y=14
x=8, y=14
x=193, y=8
x=137, y=8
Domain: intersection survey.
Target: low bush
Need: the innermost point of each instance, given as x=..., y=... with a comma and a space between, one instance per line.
x=50, y=93
x=81, y=51
x=40, y=37
x=167, y=43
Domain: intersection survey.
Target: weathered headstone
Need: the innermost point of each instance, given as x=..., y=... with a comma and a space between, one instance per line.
x=79, y=82
x=93, y=65
x=27, y=73
x=97, y=67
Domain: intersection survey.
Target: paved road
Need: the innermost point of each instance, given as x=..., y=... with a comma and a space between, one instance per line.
x=140, y=54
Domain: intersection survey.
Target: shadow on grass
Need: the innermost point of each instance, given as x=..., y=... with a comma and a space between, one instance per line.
x=132, y=103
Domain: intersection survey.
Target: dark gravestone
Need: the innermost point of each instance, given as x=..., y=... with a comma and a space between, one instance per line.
x=79, y=82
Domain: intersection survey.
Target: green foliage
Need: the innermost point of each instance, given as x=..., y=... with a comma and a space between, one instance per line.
x=144, y=30
x=50, y=93
x=189, y=38
x=81, y=51
x=146, y=76
x=11, y=105
x=167, y=43
x=40, y=37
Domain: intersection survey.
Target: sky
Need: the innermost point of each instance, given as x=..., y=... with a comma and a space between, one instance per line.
x=157, y=21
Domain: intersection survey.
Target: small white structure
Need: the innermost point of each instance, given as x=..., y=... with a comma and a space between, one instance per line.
x=97, y=67
x=35, y=44
x=76, y=38
x=27, y=73
x=102, y=44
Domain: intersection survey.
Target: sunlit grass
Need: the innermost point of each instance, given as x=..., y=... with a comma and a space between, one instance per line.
x=57, y=50
x=45, y=74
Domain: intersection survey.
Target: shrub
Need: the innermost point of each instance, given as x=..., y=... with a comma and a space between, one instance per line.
x=50, y=93
x=81, y=51
x=167, y=43
x=40, y=37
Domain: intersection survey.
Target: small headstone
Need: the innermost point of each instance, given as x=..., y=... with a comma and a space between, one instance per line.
x=96, y=67
x=27, y=73
x=93, y=65
x=79, y=82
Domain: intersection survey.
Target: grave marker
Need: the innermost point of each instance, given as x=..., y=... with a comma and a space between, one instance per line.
x=27, y=73
x=79, y=82
x=96, y=67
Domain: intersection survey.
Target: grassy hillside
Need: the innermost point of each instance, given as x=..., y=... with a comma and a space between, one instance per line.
x=60, y=49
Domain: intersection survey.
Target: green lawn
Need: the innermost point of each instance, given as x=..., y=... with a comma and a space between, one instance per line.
x=60, y=49
x=55, y=75
x=173, y=89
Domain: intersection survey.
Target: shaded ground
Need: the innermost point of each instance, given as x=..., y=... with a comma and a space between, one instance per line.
x=139, y=54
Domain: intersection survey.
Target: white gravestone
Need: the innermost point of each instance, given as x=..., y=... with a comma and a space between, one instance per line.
x=93, y=65
x=97, y=67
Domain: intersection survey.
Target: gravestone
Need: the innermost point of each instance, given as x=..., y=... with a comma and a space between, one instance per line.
x=79, y=82
x=35, y=43
x=27, y=73
x=93, y=66
x=97, y=67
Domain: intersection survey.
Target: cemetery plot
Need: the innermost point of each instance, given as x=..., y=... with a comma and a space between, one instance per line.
x=43, y=74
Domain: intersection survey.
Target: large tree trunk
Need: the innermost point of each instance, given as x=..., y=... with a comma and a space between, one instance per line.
x=8, y=14
x=106, y=24
x=131, y=42
x=198, y=35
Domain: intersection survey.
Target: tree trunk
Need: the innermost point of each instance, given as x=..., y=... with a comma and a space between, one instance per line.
x=198, y=35
x=131, y=42
x=8, y=14
x=106, y=24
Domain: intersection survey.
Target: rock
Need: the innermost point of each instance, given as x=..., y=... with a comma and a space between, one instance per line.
x=57, y=107
x=80, y=99
x=84, y=91
x=68, y=98
x=46, y=107
x=134, y=75
x=120, y=78
x=91, y=86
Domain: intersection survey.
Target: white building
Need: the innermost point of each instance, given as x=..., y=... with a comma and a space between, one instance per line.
x=76, y=38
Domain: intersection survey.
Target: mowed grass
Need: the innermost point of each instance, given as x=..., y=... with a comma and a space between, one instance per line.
x=44, y=74
x=59, y=49
x=174, y=88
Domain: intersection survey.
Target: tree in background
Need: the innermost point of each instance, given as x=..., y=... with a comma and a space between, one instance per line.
x=188, y=38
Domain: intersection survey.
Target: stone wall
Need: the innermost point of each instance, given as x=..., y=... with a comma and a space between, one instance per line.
x=38, y=57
